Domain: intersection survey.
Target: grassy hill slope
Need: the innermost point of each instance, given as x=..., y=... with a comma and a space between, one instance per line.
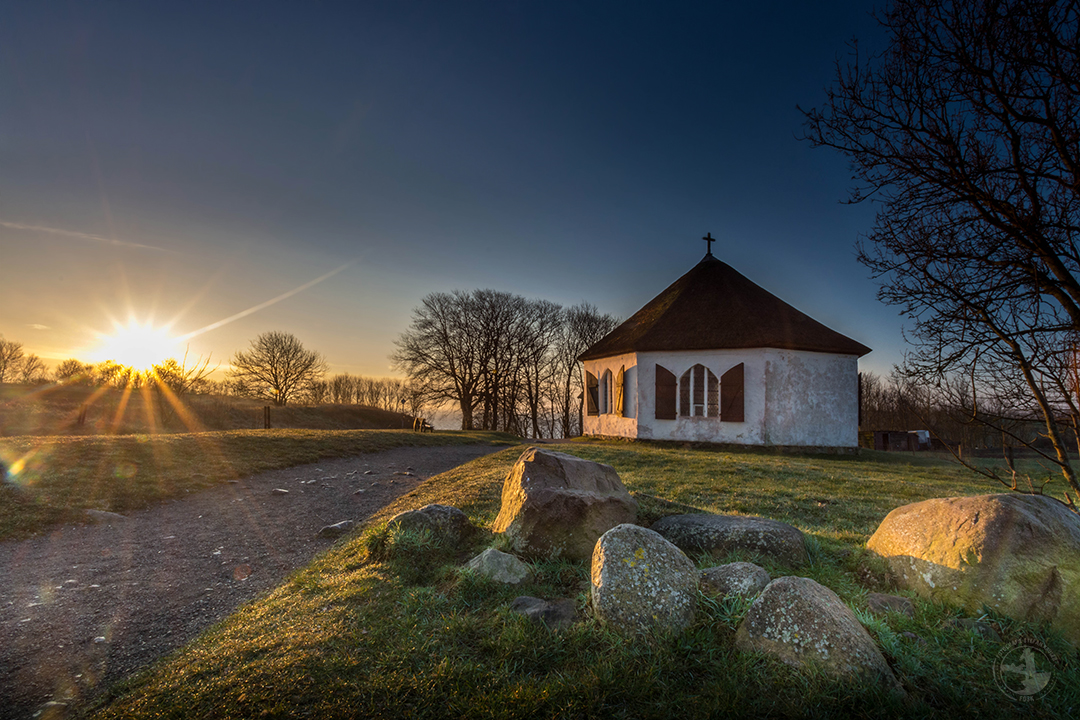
x=390, y=626
x=76, y=410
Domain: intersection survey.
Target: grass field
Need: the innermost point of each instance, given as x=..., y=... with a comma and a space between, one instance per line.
x=50, y=480
x=389, y=626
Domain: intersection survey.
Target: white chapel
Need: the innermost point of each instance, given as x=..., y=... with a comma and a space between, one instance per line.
x=717, y=358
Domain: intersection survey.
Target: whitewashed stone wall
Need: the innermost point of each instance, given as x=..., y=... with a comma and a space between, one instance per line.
x=790, y=398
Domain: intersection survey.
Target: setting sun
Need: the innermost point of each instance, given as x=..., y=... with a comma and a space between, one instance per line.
x=138, y=346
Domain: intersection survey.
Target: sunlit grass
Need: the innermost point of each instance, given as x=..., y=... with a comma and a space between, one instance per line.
x=360, y=633
x=50, y=480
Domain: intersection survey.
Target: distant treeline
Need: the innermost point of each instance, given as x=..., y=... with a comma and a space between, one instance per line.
x=394, y=394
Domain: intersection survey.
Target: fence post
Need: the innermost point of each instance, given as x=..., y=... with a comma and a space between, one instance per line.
x=266, y=417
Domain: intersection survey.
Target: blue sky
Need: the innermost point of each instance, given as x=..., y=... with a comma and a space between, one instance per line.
x=181, y=163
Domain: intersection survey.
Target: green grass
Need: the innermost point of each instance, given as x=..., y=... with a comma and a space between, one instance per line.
x=50, y=480
x=361, y=632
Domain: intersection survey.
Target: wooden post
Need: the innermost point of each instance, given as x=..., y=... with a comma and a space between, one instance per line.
x=266, y=417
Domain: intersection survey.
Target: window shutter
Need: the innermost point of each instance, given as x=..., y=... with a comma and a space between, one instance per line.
x=620, y=390
x=592, y=392
x=731, y=395
x=665, y=393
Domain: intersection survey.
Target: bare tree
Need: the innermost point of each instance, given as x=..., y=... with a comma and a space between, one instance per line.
x=442, y=352
x=11, y=356
x=74, y=372
x=342, y=389
x=276, y=367
x=114, y=374
x=178, y=376
x=964, y=131
x=32, y=369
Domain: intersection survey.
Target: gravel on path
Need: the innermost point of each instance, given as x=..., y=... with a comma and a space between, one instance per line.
x=84, y=606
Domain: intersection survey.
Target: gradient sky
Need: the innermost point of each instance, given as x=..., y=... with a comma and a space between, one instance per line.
x=181, y=163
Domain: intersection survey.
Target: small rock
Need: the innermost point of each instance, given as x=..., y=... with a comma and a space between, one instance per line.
x=445, y=522
x=880, y=603
x=337, y=529
x=359, y=491
x=369, y=472
x=980, y=628
x=103, y=516
x=741, y=579
x=555, y=614
x=500, y=567
x=912, y=636
x=279, y=491
x=99, y=640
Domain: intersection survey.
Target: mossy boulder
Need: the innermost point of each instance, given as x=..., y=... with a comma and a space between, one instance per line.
x=1017, y=554
x=722, y=534
x=641, y=583
x=806, y=625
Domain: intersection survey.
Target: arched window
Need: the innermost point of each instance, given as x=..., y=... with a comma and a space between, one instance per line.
x=698, y=393
x=605, y=392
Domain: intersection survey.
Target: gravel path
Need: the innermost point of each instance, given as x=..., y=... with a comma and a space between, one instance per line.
x=87, y=605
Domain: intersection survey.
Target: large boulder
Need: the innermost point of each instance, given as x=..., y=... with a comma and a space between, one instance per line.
x=722, y=534
x=1017, y=554
x=557, y=505
x=804, y=623
x=445, y=522
x=641, y=583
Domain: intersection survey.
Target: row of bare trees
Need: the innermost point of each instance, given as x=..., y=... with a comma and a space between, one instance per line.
x=503, y=361
x=393, y=394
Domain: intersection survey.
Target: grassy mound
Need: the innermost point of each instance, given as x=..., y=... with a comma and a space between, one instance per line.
x=391, y=626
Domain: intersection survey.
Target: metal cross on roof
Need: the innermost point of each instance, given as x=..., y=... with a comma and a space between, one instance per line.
x=709, y=239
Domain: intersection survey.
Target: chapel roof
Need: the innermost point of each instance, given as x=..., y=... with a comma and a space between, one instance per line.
x=714, y=307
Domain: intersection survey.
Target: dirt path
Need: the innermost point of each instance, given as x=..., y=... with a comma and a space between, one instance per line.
x=87, y=605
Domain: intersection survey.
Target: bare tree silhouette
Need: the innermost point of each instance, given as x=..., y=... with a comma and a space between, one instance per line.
x=276, y=367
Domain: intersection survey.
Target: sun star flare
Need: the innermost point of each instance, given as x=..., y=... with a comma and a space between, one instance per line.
x=137, y=346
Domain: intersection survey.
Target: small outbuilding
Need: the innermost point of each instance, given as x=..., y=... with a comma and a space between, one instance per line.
x=717, y=358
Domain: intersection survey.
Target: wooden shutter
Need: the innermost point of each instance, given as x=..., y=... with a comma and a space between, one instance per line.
x=592, y=394
x=620, y=389
x=731, y=395
x=665, y=393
